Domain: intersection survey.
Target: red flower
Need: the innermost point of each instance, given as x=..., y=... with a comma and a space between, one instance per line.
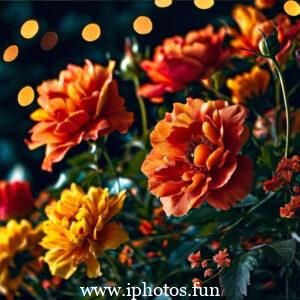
x=146, y=227
x=221, y=259
x=286, y=168
x=195, y=157
x=194, y=259
x=288, y=211
x=208, y=272
x=83, y=104
x=181, y=60
x=16, y=199
x=197, y=282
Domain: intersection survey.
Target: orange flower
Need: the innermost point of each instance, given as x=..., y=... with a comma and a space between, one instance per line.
x=79, y=230
x=194, y=259
x=83, y=104
x=181, y=60
x=248, y=85
x=262, y=4
x=146, y=228
x=15, y=199
x=195, y=157
x=221, y=259
x=288, y=211
x=197, y=282
x=250, y=20
x=282, y=179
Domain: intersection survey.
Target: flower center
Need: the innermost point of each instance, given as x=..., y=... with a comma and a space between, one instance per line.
x=191, y=152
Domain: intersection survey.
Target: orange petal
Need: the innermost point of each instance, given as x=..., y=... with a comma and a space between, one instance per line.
x=214, y=158
x=237, y=187
x=201, y=154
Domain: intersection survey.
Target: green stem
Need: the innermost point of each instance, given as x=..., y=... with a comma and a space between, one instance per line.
x=286, y=105
x=269, y=196
x=109, y=162
x=142, y=108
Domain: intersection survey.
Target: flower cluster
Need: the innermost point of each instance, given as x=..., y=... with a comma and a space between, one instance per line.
x=290, y=209
x=221, y=260
x=283, y=178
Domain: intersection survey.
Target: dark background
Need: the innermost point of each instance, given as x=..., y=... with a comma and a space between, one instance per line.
x=67, y=18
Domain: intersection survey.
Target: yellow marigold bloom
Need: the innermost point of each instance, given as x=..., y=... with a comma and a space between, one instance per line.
x=14, y=239
x=248, y=84
x=79, y=230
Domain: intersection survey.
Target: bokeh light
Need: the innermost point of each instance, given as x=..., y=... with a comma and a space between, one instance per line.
x=91, y=32
x=163, y=3
x=142, y=25
x=292, y=8
x=29, y=29
x=49, y=40
x=10, y=53
x=204, y=4
x=26, y=96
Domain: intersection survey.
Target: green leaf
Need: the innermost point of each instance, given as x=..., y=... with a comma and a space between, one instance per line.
x=208, y=229
x=234, y=280
x=247, y=201
x=199, y=215
x=183, y=251
x=282, y=252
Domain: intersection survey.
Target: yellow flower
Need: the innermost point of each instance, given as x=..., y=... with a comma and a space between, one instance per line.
x=248, y=84
x=14, y=239
x=79, y=230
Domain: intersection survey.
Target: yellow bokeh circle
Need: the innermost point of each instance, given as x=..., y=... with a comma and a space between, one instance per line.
x=29, y=29
x=292, y=8
x=204, y=4
x=26, y=96
x=142, y=25
x=10, y=53
x=91, y=32
x=163, y=3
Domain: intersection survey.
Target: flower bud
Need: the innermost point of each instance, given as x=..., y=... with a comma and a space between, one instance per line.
x=130, y=63
x=269, y=44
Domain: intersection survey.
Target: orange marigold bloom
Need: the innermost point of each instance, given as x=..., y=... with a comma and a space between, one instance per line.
x=288, y=211
x=181, y=60
x=221, y=259
x=15, y=239
x=79, y=230
x=250, y=20
x=194, y=259
x=83, y=104
x=262, y=4
x=248, y=85
x=195, y=156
